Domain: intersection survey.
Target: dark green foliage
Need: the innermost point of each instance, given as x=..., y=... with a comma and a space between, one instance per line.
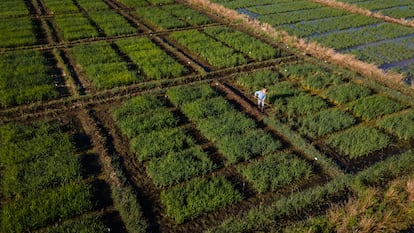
x=278, y=92
x=326, y=121
x=347, y=92
x=253, y=143
x=359, y=141
x=257, y=80
x=183, y=94
x=178, y=166
x=275, y=171
x=137, y=105
x=374, y=106
x=46, y=206
x=188, y=201
x=401, y=125
x=159, y=142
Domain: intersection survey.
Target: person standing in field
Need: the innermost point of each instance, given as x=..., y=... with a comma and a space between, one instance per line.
x=261, y=96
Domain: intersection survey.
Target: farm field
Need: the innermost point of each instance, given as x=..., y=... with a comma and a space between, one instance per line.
x=139, y=116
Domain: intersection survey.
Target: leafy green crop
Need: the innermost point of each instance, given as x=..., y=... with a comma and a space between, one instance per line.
x=275, y=171
x=188, y=201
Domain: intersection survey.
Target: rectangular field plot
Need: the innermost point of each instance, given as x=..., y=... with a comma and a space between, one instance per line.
x=42, y=178
x=112, y=23
x=250, y=46
x=401, y=124
x=75, y=26
x=102, y=65
x=93, y=5
x=25, y=77
x=172, y=16
x=359, y=141
x=13, y=8
x=374, y=106
x=61, y=6
x=151, y=59
x=275, y=171
x=188, y=201
x=216, y=53
x=17, y=32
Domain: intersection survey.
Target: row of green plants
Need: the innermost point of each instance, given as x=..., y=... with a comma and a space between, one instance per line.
x=93, y=5
x=283, y=7
x=75, y=26
x=86, y=224
x=237, y=4
x=216, y=53
x=400, y=124
x=386, y=52
x=362, y=35
x=102, y=65
x=25, y=78
x=111, y=23
x=235, y=135
x=154, y=62
x=200, y=195
x=319, y=26
x=61, y=6
x=17, y=32
x=399, y=12
x=374, y=106
x=39, y=162
x=249, y=45
x=12, y=8
x=383, y=4
x=303, y=15
x=171, y=153
x=265, y=217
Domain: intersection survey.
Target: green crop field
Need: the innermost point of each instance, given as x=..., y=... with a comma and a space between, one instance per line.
x=136, y=116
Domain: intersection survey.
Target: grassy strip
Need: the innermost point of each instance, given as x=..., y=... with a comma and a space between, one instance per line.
x=61, y=6
x=93, y=5
x=188, y=201
x=87, y=224
x=12, y=8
